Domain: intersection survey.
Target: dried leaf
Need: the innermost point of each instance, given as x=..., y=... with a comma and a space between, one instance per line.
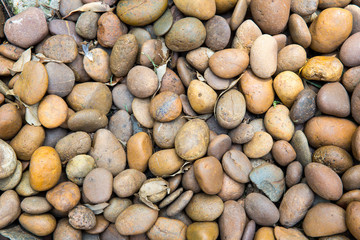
x=200, y=77
x=4, y=89
x=97, y=208
x=19, y=64
x=87, y=53
x=202, y=117
x=186, y=166
x=160, y=72
x=153, y=190
x=17, y=233
x=232, y=84
x=93, y=6
x=39, y=57
x=113, y=82
x=31, y=114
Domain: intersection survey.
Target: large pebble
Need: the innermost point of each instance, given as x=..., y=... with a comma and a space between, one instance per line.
x=202, y=97
x=295, y=204
x=82, y=218
x=8, y=164
x=229, y=63
x=270, y=179
x=217, y=33
x=201, y=9
x=40, y=225
x=35, y=205
x=139, y=150
x=260, y=209
x=334, y=157
x=263, y=56
x=141, y=110
x=278, y=123
x=97, y=186
x=135, y=14
x=230, y=109
x=61, y=47
x=203, y=207
x=237, y=165
x=123, y=55
x=86, y=25
x=324, y=219
x=299, y=31
x=98, y=67
x=353, y=218
x=136, y=219
x=27, y=28
x=271, y=16
x=108, y=152
x=164, y=133
x=72, y=145
x=323, y=68
x=304, y=106
x=192, y=140
x=32, y=84
x=165, y=162
x=185, y=35
x=349, y=52
x=324, y=130
x=166, y=228
x=202, y=230
x=61, y=79
x=351, y=178
x=64, y=197
x=232, y=221
x=65, y=230
x=9, y=208
x=45, y=168
x=142, y=82
x=258, y=92
x=128, y=182
x=165, y=107
x=110, y=28
x=333, y=99
x=330, y=29
x=91, y=95
x=324, y=181
x=301, y=146
x=259, y=146
x=10, y=121
x=209, y=174
x=116, y=206
x=88, y=120
x=28, y=139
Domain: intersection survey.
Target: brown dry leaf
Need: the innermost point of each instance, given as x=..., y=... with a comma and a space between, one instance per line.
x=200, y=77
x=31, y=114
x=232, y=84
x=39, y=57
x=93, y=6
x=113, y=82
x=186, y=166
x=97, y=208
x=19, y=64
x=152, y=188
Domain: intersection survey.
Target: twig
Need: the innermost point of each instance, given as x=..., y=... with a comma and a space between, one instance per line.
x=6, y=9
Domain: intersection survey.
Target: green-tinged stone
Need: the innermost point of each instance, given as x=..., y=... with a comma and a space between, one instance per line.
x=164, y=23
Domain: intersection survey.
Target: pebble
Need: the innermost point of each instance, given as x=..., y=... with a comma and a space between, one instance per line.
x=204, y=208
x=139, y=151
x=270, y=179
x=61, y=47
x=136, y=219
x=332, y=27
x=60, y=27
x=166, y=228
x=260, y=209
x=64, y=196
x=40, y=225
x=82, y=218
x=232, y=221
x=27, y=28
x=332, y=99
x=97, y=186
x=9, y=208
x=324, y=219
x=202, y=230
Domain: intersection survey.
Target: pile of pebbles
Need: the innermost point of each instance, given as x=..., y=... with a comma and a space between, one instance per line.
x=183, y=119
